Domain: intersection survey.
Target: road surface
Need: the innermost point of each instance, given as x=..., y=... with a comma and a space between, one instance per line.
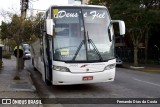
x=128, y=84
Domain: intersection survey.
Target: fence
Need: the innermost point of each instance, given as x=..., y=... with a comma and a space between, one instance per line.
x=127, y=55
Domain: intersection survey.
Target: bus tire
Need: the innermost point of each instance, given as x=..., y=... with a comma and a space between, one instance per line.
x=33, y=65
x=46, y=80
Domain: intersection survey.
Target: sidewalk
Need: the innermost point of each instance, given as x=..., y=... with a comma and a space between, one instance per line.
x=10, y=88
x=143, y=67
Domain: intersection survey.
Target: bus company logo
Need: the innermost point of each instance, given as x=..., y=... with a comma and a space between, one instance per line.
x=87, y=69
x=82, y=66
x=6, y=101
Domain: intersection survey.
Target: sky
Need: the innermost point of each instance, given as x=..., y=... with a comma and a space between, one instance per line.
x=14, y=5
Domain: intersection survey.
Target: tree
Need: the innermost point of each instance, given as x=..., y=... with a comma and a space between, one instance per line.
x=152, y=10
x=106, y=3
x=138, y=16
x=19, y=31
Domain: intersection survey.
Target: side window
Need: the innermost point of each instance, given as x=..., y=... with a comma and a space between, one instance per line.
x=62, y=29
x=75, y=30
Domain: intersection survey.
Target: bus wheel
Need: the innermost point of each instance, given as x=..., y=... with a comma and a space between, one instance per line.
x=46, y=80
x=33, y=65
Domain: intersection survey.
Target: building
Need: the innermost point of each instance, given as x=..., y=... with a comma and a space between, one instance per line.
x=78, y=1
x=85, y=1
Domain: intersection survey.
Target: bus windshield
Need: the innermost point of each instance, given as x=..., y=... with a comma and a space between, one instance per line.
x=81, y=34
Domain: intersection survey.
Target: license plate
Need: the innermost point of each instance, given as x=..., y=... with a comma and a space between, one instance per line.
x=85, y=78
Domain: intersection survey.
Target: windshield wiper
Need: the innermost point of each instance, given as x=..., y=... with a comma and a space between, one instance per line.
x=94, y=47
x=80, y=46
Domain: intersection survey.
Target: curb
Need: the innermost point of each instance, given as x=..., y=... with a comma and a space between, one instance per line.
x=152, y=70
x=30, y=79
x=141, y=69
x=137, y=67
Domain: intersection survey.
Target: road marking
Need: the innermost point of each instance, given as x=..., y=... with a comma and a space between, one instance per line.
x=147, y=82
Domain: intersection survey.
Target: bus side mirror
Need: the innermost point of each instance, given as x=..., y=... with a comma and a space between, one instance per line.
x=121, y=26
x=50, y=27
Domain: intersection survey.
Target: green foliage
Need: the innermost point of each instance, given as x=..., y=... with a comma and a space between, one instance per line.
x=141, y=11
x=138, y=15
x=16, y=78
x=1, y=63
x=18, y=31
x=4, y=31
x=106, y=3
x=6, y=55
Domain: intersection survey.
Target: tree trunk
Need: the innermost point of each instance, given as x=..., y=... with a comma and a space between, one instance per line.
x=135, y=56
x=17, y=77
x=146, y=48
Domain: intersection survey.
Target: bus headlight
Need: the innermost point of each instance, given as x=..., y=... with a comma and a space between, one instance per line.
x=60, y=68
x=110, y=66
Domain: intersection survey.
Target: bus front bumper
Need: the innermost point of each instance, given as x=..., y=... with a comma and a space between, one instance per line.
x=68, y=78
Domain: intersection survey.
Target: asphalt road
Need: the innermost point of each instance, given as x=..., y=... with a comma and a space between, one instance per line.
x=127, y=84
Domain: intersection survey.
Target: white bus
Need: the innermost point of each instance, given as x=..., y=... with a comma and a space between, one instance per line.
x=76, y=45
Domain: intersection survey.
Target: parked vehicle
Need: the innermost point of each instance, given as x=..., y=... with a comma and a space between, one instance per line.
x=119, y=62
x=27, y=55
x=26, y=46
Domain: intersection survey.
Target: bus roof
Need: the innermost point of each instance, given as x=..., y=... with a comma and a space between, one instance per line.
x=83, y=5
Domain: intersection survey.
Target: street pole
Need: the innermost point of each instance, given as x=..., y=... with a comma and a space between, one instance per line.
x=158, y=54
x=24, y=7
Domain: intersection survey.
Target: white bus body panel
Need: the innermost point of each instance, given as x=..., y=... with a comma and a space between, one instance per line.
x=39, y=65
x=61, y=78
x=76, y=75
x=36, y=58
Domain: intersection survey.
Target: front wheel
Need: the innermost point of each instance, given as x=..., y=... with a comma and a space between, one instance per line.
x=33, y=65
x=45, y=75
